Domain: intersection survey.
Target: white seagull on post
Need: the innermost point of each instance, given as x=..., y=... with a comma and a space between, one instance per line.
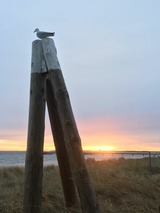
x=41, y=34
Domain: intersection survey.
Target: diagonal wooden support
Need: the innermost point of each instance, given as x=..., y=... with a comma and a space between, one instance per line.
x=82, y=178
x=67, y=179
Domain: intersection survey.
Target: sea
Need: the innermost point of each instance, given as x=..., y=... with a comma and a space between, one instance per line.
x=17, y=158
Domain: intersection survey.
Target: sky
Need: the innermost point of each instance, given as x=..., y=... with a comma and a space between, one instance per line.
x=109, y=54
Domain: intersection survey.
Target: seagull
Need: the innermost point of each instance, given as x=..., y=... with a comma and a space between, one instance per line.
x=41, y=34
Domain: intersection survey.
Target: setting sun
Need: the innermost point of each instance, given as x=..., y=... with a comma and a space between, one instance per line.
x=99, y=148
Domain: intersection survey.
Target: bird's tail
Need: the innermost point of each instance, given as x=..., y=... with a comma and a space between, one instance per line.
x=51, y=34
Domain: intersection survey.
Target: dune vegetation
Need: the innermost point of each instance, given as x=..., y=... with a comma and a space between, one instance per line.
x=122, y=186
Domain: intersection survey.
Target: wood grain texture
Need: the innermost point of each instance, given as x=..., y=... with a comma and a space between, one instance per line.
x=73, y=142
x=72, y=139
x=38, y=63
x=67, y=179
x=35, y=140
x=50, y=54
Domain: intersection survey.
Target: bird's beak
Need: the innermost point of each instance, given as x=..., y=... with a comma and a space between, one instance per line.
x=34, y=31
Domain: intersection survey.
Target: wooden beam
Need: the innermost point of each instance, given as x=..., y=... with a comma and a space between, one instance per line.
x=73, y=142
x=35, y=140
x=68, y=184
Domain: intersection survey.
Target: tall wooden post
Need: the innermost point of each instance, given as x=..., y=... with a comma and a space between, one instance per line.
x=72, y=139
x=67, y=179
x=47, y=81
x=150, y=161
x=35, y=141
x=34, y=154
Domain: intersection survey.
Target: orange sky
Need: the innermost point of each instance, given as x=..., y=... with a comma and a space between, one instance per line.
x=95, y=133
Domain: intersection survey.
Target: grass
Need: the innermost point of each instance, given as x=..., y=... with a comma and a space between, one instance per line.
x=122, y=186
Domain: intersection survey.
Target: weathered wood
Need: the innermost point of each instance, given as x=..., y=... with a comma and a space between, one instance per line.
x=34, y=154
x=67, y=179
x=73, y=142
x=38, y=63
x=82, y=178
x=150, y=162
x=50, y=51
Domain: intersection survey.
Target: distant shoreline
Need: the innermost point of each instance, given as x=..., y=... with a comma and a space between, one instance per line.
x=17, y=158
x=90, y=152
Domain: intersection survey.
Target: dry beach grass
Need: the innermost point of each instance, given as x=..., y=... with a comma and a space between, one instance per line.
x=122, y=186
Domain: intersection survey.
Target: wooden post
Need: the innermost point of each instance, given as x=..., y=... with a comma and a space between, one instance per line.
x=85, y=189
x=34, y=154
x=67, y=179
x=150, y=162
